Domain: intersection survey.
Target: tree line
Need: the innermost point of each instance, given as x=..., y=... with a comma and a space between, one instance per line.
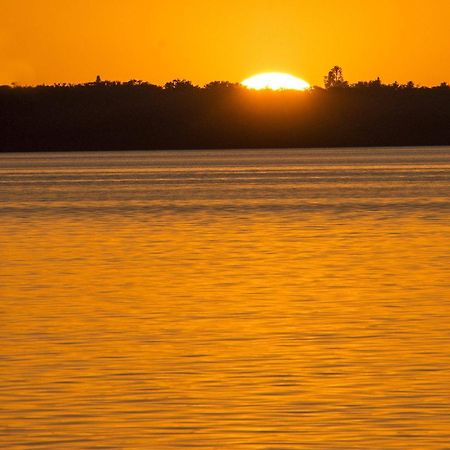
x=135, y=115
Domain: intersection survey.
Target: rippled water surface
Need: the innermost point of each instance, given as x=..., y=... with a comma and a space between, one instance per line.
x=260, y=300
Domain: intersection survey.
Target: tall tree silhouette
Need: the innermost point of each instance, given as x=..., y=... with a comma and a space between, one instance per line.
x=335, y=78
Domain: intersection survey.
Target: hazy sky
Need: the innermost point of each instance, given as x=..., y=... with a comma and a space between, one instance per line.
x=74, y=40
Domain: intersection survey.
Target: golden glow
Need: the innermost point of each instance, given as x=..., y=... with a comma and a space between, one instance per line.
x=232, y=299
x=50, y=41
x=276, y=81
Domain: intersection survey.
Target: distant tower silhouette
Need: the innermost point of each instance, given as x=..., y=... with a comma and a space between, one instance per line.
x=98, y=80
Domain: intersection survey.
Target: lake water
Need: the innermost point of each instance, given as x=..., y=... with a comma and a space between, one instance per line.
x=257, y=300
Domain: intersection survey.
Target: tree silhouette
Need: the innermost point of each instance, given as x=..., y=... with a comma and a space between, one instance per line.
x=114, y=115
x=335, y=78
x=179, y=84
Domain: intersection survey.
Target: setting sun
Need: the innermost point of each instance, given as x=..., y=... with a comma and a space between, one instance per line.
x=276, y=81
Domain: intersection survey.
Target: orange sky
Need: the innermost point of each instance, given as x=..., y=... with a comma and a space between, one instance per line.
x=74, y=40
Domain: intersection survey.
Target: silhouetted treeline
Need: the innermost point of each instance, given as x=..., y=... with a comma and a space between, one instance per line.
x=137, y=115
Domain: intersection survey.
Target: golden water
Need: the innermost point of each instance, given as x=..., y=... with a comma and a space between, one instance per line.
x=260, y=300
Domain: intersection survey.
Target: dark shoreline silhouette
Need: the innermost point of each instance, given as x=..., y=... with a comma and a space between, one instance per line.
x=136, y=115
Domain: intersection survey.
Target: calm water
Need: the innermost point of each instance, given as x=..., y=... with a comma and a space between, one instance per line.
x=258, y=300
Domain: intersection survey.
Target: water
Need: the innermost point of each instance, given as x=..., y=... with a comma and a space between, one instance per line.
x=258, y=300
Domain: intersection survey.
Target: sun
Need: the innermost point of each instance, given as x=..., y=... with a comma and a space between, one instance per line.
x=276, y=81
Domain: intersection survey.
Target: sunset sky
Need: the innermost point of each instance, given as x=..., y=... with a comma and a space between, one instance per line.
x=47, y=41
